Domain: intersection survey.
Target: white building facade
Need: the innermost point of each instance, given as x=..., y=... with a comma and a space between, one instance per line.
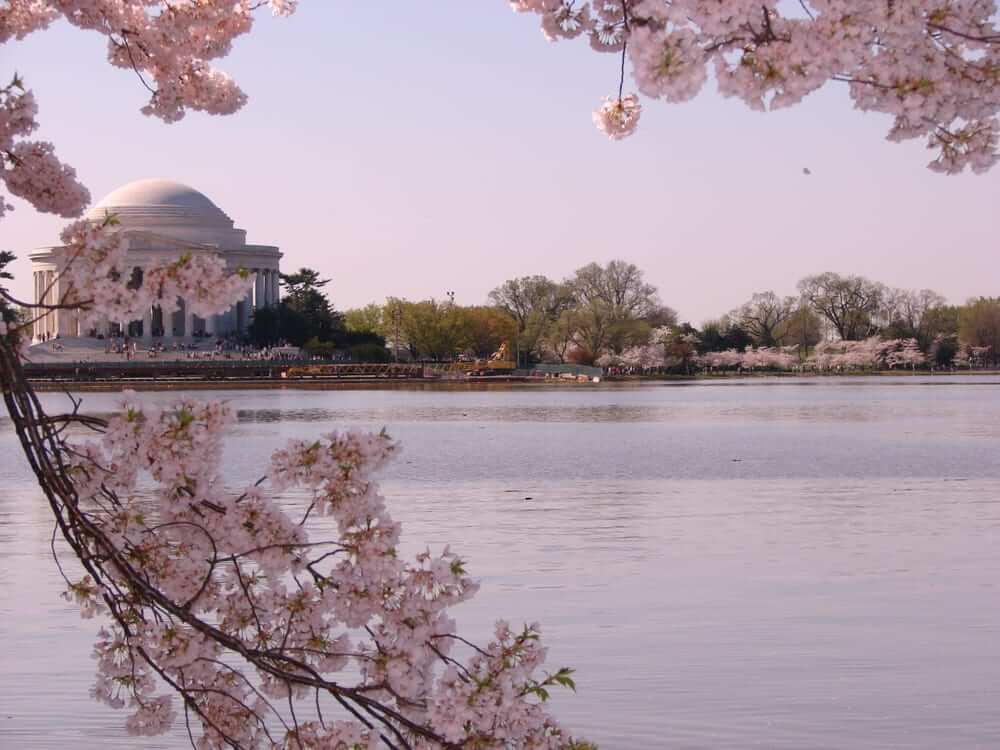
x=163, y=220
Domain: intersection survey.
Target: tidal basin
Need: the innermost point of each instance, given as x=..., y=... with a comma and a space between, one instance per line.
x=775, y=563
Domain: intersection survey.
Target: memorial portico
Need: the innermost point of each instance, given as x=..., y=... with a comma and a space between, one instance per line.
x=163, y=220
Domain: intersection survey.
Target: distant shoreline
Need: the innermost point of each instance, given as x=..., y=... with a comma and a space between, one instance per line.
x=476, y=383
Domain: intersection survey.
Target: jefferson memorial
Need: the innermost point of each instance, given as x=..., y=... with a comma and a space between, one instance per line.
x=162, y=220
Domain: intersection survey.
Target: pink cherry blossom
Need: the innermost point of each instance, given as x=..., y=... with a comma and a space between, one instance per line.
x=250, y=606
x=618, y=118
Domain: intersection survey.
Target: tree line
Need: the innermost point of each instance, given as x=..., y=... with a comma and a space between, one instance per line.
x=598, y=308
x=830, y=307
x=602, y=314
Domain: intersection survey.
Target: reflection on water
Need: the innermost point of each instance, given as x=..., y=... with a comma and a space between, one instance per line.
x=727, y=566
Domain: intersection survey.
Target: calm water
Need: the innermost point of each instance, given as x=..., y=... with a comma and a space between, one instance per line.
x=777, y=564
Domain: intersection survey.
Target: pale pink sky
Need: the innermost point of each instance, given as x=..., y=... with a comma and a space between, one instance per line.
x=408, y=152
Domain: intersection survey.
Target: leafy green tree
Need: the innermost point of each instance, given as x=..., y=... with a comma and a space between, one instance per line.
x=302, y=282
x=979, y=325
x=485, y=328
x=803, y=328
x=367, y=319
x=559, y=336
x=370, y=352
x=429, y=329
x=680, y=346
x=594, y=321
x=265, y=326
x=311, y=314
x=943, y=350
x=611, y=308
x=722, y=334
x=534, y=302
x=614, y=305
x=318, y=348
x=941, y=321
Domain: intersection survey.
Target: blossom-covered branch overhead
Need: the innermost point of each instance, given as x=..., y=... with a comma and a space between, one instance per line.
x=933, y=65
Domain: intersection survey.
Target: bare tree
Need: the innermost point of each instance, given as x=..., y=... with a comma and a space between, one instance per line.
x=763, y=315
x=618, y=285
x=527, y=295
x=535, y=302
x=906, y=313
x=851, y=304
x=614, y=305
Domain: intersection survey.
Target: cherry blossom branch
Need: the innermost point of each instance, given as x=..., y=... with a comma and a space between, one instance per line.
x=127, y=578
x=987, y=38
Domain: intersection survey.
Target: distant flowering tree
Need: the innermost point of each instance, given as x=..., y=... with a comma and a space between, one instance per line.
x=270, y=633
x=905, y=353
x=724, y=360
x=868, y=354
x=931, y=65
x=769, y=358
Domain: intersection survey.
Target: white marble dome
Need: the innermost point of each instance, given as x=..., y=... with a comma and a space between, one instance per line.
x=152, y=199
x=172, y=209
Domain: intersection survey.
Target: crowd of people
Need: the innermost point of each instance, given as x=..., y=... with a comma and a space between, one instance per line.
x=128, y=348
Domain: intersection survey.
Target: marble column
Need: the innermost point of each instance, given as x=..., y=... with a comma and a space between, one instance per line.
x=247, y=311
x=50, y=317
x=64, y=323
x=147, y=326
x=168, y=326
x=275, y=294
x=35, y=329
x=188, y=321
x=43, y=322
x=39, y=288
x=43, y=297
x=210, y=325
x=259, y=298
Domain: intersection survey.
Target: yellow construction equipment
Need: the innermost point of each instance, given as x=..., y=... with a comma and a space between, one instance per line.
x=500, y=362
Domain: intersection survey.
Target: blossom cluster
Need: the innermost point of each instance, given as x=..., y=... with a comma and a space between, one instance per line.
x=618, y=118
x=867, y=354
x=752, y=358
x=228, y=596
x=932, y=66
x=969, y=356
x=870, y=353
x=169, y=44
x=30, y=169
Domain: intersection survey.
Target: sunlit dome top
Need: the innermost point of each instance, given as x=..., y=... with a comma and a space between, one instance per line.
x=162, y=199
